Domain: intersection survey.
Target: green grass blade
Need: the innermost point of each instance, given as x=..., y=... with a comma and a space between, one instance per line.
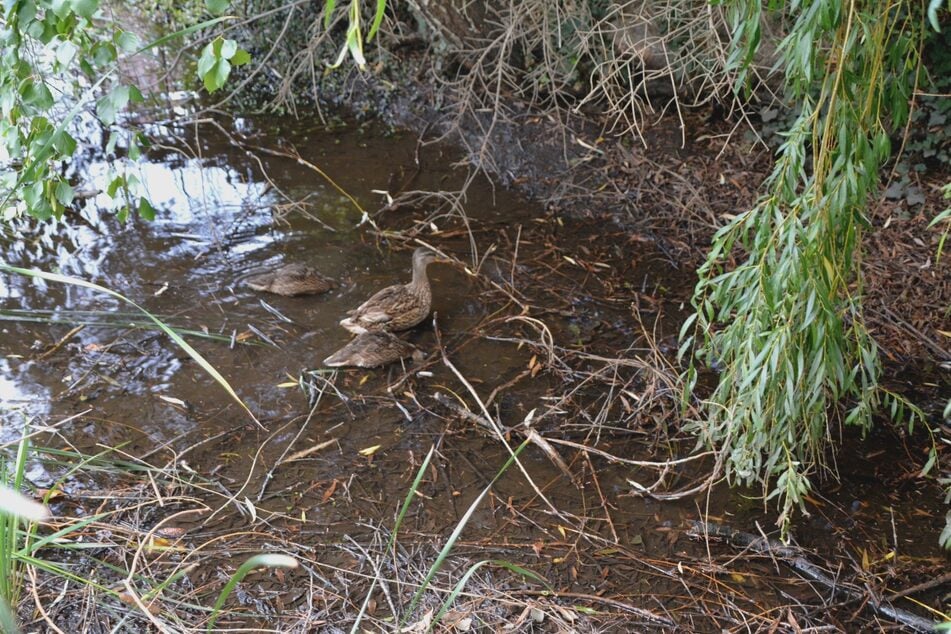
x=377, y=19
x=8, y=622
x=525, y=572
x=410, y=496
x=174, y=336
x=267, y=560
x=457, y=531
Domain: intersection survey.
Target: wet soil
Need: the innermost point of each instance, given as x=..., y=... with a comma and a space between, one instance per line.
x=565, y=317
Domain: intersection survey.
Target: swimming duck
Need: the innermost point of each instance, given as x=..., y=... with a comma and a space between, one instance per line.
x=373, y=349
x=396, y=307
x=290, y=280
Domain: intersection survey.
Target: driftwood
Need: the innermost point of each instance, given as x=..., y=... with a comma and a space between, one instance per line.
x=794, y=558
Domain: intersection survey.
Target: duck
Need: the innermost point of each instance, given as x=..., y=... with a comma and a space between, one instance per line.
x=372, y=350
x=398, y=307
x=290, y=280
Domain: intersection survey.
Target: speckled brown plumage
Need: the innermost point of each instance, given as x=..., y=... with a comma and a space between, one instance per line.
x=396, y=307
x=290, y=280
x=371, y=350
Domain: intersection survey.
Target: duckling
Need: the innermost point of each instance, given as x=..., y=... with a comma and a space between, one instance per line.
x=396, y=307
x=373, y=349
x=290, y=280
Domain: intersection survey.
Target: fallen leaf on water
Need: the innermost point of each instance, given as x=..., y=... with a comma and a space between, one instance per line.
x=126, y=598
x=172, y=400
x=50, y=494
x=171, y=532
x=160, y=545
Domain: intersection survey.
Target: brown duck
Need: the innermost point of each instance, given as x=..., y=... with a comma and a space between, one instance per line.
x=373, y=349
x=396, y=307
x=290, y=280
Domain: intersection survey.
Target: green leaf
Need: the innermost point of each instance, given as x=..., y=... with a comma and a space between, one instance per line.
x=206, y=60
x=146, y=210
x=328, y=12
x=120, y=97
x=216, y=7
x=61, y=8
x=228, y=49
x=25, y=13
x=241, y=57
x=33, y=194
x=85, y=8
x=36, y=163
x=36, y=94
x=114, y=186
x=65, y=52
x=135, y=95
x=106, y=109
x=217, y=76
x=36, y=203
x=104, y=53
x=933, y=7
x=64, y=143
x=123, y=214
x=64, y=193
x=127, y=42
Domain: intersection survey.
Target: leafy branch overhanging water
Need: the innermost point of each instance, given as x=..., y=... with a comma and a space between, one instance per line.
x=779, y=300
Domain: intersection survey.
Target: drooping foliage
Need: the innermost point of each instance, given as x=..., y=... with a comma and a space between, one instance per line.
x=779, y=300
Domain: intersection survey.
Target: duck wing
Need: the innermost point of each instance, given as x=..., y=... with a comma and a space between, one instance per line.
x=384, y=300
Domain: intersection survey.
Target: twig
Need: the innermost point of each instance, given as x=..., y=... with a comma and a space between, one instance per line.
x=496, y=428
x=793, y=557
x=620, y=605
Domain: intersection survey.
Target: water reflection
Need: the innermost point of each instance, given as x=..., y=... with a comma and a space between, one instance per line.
x=22, y=397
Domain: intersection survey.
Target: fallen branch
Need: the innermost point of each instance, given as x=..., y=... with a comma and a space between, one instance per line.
x=793, y=557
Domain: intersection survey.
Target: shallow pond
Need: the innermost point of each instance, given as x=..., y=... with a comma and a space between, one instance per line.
x=546, y=326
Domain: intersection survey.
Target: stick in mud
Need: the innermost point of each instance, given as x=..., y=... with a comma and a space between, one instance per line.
x=793, y=557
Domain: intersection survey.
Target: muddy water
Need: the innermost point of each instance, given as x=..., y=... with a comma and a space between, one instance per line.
x=220, y=218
